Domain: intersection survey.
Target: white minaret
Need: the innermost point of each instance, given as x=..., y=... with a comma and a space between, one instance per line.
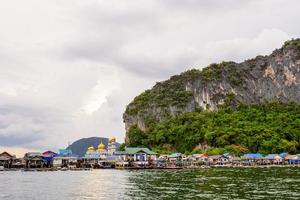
x=112, y=145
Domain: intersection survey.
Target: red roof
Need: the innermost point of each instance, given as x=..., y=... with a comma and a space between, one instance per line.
x=49, y=153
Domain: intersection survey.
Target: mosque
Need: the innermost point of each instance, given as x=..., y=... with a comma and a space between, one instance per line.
x=101, y=152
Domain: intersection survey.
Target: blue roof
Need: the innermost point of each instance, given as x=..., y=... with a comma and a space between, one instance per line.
x=253, y=155
x=65, y=151
x=283, y=155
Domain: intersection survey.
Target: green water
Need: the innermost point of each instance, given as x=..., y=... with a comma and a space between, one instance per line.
x=276, y=183
x=273, y=183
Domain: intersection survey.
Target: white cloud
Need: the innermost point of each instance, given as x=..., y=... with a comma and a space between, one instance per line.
x=239, y=49
x=104, y=87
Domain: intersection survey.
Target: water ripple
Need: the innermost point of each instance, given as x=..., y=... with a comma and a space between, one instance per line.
x=275, y=183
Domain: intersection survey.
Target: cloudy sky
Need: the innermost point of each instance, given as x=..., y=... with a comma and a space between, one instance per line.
x=68, y=68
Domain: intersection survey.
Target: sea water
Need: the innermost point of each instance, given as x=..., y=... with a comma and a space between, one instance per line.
x=230, y=183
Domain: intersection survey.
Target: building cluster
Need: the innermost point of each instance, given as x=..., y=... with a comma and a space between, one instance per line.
x=228, y=159
x=99, y=157
x=133, y=158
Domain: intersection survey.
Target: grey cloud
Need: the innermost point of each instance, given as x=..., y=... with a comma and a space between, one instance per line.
x=26, y=126
x=3, y=125
x=137, y=64
x=143, y=28
x=157, y=68
x=17, y=139
x=37, y=115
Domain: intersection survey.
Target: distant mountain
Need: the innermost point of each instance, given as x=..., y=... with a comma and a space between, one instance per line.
x=79, y=147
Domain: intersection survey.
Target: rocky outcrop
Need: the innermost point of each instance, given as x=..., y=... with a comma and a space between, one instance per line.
x=263, y=79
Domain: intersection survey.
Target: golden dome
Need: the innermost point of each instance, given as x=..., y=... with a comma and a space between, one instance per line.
x=112, y=139
x=91, y=148
x=101, y=146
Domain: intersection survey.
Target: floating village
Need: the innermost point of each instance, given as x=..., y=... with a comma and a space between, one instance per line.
x=102, y=157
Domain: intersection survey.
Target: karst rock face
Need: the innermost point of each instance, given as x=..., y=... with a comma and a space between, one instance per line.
x=263, y=79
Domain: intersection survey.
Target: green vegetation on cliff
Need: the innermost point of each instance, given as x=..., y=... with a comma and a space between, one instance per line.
x=293, y=43
x=266, y=128
x=162, y=97
x=173, y=92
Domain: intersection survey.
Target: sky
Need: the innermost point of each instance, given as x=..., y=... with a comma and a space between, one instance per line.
x=68, y=68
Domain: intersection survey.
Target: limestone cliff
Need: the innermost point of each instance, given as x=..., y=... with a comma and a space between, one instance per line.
x=265, y=78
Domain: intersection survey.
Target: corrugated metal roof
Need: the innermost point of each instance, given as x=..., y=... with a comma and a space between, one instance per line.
x=174, y=155
x=292, y=157
x=135, y=150
x=273, y=156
